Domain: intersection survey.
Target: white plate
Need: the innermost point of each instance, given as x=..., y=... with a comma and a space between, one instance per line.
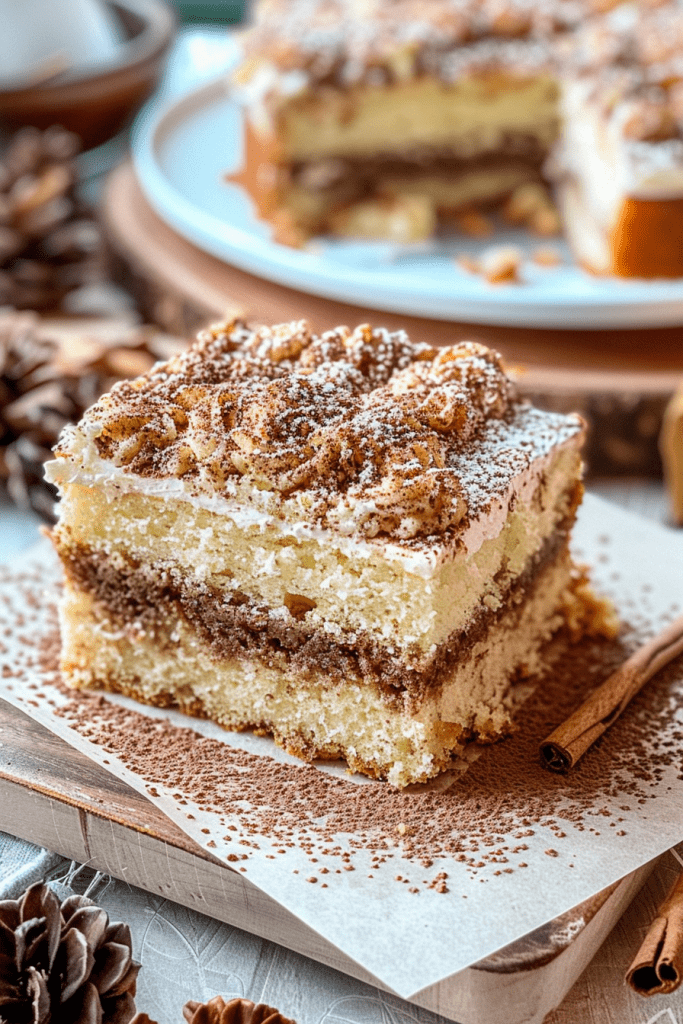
x=183, y=151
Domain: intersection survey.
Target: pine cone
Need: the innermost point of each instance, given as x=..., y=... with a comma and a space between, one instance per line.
x=49, y=244
x=236, y=1011
x=63, y=964
x=45, y=384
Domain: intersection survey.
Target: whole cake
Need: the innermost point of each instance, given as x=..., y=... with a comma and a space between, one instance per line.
x=387, y=118
x=354, y=542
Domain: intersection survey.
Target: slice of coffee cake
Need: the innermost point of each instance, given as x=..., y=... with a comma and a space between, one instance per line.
x=352, y=541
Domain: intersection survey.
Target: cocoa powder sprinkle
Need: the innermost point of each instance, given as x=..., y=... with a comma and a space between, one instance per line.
x=469, y=821
x=476, y=821
x=364, y=432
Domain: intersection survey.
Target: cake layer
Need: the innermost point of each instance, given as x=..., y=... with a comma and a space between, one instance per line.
x=454, y=146
x=129, y=590
x=361, y=201
x=475, y=115
x=164, y=659
x=412, y=601
x=397, y=209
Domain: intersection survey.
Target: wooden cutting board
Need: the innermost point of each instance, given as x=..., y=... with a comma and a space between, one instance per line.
x=52, y=795
x=621, y=380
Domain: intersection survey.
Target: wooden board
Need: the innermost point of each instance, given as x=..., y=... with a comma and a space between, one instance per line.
x=54, y=796
x=621, y=380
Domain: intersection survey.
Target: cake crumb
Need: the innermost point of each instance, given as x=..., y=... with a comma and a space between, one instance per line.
x=474, y=224
x=468, y=263
x=547, y=256
x=501, y=264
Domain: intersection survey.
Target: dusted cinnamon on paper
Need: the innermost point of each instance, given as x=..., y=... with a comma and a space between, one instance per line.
x=563, y=748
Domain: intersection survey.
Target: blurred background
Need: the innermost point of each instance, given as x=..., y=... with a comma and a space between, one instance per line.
x=213, y=11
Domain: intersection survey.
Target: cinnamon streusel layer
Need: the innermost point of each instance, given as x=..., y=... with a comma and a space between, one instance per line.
x=131, y=593
x=303, y=701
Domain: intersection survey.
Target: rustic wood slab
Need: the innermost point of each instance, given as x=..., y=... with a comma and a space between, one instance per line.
x=621, y=380
x=54, y=796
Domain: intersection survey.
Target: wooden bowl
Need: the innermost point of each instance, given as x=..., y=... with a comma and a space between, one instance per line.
x=97, y=106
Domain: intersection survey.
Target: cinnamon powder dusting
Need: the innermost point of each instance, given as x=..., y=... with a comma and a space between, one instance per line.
x=344, y=43
x=483, y=820
x=365, y=423
x=470, y=821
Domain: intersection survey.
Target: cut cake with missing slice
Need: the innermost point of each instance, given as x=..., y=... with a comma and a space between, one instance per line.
x=386, y=118
x=394, y=118
x=353, y=542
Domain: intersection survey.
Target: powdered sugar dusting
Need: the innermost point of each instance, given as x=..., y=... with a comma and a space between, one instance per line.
x=362, y=431
x=346, y=42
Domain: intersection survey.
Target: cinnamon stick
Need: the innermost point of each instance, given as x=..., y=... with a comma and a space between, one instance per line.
x=563, y=748
x=658, y=965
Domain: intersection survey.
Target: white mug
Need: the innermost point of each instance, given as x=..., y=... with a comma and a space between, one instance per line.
x=40, y=38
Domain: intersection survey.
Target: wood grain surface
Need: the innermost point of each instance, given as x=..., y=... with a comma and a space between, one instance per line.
x=52, y=795
x=600, y=996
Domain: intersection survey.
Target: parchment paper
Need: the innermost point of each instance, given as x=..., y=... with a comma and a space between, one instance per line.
x=410, y=941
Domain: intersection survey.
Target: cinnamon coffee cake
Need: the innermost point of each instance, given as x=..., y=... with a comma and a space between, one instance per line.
x=380, y=118
x=388, y=118
x=352, y=541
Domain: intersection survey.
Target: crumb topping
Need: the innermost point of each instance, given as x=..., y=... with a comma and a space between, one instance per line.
x=347, y=42
x=366, y=430
x=633, y=59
